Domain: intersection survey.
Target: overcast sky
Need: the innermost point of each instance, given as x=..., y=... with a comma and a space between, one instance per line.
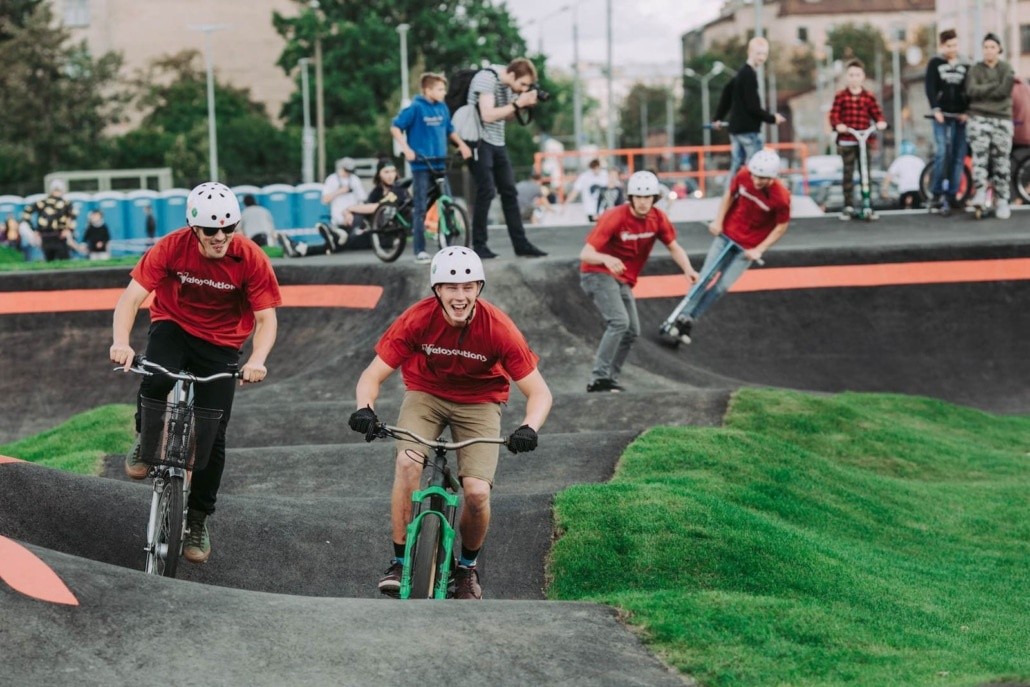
x=644, y=31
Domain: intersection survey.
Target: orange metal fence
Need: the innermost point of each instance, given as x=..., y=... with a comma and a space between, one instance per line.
x=795, y=156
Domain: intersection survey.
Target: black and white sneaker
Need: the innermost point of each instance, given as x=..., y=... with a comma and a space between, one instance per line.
x=604, y=384
x=334, y=238
x=289, y=249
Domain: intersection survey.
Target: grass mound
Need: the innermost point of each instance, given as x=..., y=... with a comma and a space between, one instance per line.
x=80, y=444
x=816, y=540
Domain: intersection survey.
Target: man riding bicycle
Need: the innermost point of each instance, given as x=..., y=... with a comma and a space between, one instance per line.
x=457, y=355
x=211, y=290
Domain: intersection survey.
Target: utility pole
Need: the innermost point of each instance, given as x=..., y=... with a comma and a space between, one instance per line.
x=611, y=104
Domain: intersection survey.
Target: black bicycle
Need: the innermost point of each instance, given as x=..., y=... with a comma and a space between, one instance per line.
x=174, y=434
x=392, y=220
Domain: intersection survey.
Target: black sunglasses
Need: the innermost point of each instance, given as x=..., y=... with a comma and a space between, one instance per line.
x=211, y=231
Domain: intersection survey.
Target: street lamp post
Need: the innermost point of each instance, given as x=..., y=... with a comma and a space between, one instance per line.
x=577, y=97
x=307, y=145
x=717, y=68
x=402, y=29
x=212, y=129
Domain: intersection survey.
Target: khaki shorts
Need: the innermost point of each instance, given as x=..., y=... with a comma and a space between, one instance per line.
x=427, y=415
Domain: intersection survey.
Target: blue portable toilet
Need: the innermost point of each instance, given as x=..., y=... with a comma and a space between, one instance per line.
x=135, y=213
x=278, y=198
x=171, y=210
x=11, y=205
x=241, y=191
x=113, y=204
x=84, y=204
x=308, y=207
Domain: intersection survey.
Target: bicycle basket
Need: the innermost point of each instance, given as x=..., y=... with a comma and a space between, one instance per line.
x=174, y=436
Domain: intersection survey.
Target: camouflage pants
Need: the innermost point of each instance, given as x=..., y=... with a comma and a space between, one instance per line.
x=990, y=142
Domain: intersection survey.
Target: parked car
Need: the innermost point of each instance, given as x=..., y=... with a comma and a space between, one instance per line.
x=824, y=184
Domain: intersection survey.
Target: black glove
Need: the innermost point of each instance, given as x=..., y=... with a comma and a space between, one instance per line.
x=364, y=421
x=522, y=439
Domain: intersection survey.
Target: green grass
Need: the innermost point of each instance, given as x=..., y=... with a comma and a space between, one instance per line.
x=816, y=540
x=12, y=260
x=80, y=444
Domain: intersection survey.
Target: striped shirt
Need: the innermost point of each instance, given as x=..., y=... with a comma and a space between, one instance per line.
x=486, y=81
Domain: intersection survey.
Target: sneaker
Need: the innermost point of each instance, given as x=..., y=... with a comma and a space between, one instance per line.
x=1002, y=210
x=134, y=467
x=530, y=251
x=423, y=257
x=980, y=199
x=485, y=253
x=684, y=325
x=390, y=584
x=198, y=541
x=847, y=213
x=334, y=238
x=945, y=206
x=935, y=205
x=466, y=584
x=604, y=384
x=288, y=248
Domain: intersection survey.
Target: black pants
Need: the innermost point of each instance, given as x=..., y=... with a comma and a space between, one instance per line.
x=175, y=350
x=849, y=156
x=491, y=170
x=54, y=248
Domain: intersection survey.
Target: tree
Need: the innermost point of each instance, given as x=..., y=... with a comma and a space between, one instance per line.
x=56, y=98
x=851, y=41
x=361, y=59
x=172, y=91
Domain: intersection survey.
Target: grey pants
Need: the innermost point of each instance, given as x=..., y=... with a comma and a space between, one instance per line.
x=619, y=310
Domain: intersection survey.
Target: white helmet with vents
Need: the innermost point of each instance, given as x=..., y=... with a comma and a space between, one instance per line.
x=643, y=184
x=456, y=265
x=764, y=163
x=212, y=205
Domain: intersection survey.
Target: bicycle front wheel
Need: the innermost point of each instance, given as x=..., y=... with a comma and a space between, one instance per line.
x=425, y=559
x=388, y=236
x=166, y=543
x=455, y=227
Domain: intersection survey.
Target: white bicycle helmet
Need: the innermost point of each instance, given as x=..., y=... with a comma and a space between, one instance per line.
x=643, y=184
x=212, y=205
x=455, y=265
x=764, y=163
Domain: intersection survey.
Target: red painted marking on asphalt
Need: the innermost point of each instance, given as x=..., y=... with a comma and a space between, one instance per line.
x=26, y=573
x=8, y=459
x=826, y=277
x=364, y=297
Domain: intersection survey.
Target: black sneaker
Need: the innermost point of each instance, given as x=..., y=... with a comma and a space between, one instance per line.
x=944, y=206
x=390, y=584
x=604, y=384
x=485, y=253
x=530, y=251
x=288, y=248
x=466, y=584
x=684, y=325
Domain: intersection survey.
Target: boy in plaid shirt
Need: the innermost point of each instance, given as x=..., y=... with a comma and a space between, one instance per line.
x=853, y=107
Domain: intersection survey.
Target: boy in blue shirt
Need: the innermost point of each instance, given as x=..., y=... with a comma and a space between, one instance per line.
x=423, y=128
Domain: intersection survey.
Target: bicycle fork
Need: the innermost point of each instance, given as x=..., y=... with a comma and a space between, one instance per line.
x=162, y=481
x=423, y=508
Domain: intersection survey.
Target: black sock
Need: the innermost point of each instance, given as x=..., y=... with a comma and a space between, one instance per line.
x=398, y=551
x=468, y=557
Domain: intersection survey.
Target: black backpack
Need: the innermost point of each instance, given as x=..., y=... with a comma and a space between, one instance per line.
x=458, y=88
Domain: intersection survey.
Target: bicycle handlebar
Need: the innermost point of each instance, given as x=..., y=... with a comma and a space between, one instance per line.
x=382, y=431
x=140, y=366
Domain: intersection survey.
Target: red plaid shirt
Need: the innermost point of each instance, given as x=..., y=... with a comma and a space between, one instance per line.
x=854, y=111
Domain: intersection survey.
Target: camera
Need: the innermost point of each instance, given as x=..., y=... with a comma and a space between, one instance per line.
x=541, y=95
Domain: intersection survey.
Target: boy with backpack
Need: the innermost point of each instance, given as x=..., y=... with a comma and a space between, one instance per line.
x=423, y=128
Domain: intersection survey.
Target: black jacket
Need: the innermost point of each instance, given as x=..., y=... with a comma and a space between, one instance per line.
x=945, y=85
x=740, y=101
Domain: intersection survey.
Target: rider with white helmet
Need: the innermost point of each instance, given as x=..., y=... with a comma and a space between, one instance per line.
x=457, y=354
x=611, y=260
x=212, y=289
x=752, y=216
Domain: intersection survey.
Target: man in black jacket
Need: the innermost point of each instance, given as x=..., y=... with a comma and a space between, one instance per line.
x=740, y=101
x=945, y=89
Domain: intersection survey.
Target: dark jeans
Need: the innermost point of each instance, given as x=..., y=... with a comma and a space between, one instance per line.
x=174, y=349
x=849, y=156
x=491, y=170
x=54, y=248
x=949, y=142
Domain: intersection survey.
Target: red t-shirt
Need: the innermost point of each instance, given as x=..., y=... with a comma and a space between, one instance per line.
x=629, y=238
x=471, y=364
x=754, y=212
x=213, y=299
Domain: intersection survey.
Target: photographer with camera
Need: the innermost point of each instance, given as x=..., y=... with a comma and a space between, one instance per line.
x=501, y=94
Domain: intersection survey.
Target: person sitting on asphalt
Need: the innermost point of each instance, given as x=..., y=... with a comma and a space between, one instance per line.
x=340, y=191
x=754, y=214
x=386, y=190
x=906, y=172
x=612, y=258
x=457, y=354
x=211, y=290
x=257, y=222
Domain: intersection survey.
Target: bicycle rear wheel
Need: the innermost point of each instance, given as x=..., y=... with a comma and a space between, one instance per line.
x=455, y=226
x=165, y=545
x=388, y=236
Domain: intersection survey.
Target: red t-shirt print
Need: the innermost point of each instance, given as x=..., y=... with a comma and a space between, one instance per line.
x=471, y=364
x=629, y=238
x=755, y=212
x=213, y=299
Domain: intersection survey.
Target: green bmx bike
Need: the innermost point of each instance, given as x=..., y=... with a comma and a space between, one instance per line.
x=428, y=557
x=392, y=220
